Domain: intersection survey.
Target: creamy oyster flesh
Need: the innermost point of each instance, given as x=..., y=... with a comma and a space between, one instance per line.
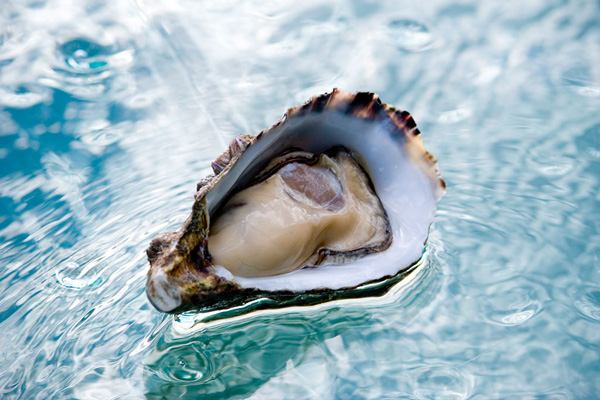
x=279, y=225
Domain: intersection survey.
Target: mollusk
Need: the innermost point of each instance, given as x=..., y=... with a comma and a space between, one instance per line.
x=339, y=155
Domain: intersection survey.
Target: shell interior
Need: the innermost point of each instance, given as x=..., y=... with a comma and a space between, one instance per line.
x=404, y=189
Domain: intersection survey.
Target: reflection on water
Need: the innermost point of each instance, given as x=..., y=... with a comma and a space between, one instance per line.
x=112, y=110
x=234, y=358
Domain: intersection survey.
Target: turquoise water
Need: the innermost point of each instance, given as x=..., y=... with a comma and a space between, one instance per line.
x=111, y=111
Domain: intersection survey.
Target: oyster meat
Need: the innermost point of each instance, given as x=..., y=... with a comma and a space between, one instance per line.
x=297, y=217
x=336, y=196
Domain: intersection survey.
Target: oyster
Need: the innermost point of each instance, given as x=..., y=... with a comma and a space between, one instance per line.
x=330, y=202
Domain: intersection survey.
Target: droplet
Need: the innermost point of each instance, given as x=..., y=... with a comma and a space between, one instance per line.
x=410, y=35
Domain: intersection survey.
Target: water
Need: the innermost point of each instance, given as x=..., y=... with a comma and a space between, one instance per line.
x=110, y=111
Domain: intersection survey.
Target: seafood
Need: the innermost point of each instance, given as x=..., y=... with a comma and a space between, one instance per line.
x=335, y=198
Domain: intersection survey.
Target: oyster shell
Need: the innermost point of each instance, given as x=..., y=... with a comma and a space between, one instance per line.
x=386, y=145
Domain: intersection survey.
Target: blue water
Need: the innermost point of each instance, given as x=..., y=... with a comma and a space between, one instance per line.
x=111, y=111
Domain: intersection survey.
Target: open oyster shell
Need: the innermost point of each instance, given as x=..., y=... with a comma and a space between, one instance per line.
x=387, y=145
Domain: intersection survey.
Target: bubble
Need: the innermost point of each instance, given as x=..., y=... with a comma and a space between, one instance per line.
x=410, y=35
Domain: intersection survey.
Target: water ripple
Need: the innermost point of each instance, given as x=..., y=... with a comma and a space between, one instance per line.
x=83, y=67
x=221, y=359
x=14, y=42
x=589, y=303
x=442, y=381
x=410, y=35
x=512, y=305
x=111, y=111
x=22, y=98
x=84, y=56
x=72, y=276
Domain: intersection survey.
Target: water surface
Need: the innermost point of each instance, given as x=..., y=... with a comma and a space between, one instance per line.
x=111, y=111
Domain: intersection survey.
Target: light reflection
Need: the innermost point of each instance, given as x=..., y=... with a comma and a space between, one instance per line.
x=237, y=356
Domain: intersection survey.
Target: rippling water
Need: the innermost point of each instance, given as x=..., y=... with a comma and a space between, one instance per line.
x=111, y=111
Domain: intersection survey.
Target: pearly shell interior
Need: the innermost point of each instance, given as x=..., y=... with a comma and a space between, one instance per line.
x=408, y=195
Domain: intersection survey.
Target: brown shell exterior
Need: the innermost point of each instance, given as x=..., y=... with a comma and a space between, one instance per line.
x=188, y=264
